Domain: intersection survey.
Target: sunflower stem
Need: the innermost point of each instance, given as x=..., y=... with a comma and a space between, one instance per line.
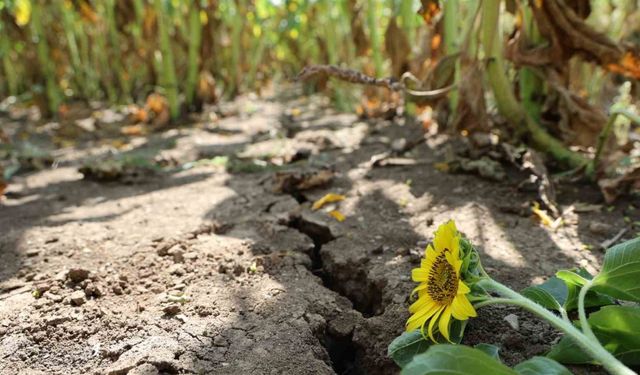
x=590, y=345
x=586, y=329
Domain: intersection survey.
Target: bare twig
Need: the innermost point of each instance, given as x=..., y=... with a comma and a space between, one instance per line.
x=354, y=76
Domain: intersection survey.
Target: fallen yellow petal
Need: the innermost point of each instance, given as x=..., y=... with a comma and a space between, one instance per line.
x=545, y=219
x=331, y=197
x=337, y=215
x=442, y=167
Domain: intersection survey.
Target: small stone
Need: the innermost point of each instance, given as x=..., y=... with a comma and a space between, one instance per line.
x=178, y=256
x=192, y=255
x=78, y=274
x=172, y=309
x=399, y=144
x=180, y=286
x=222, y=268
x=597, y=227
x=377, y=250
x=78, y=298
x=144, y=369
x=157, y=289
x=512, y=319
x=402, y=251
x=163, y=249
x=32, y=253
x=177, y=269
x=54, y=297
x=117, y=290
x=238, y=270
x=399, y=299
x=56, y=319
x=92, y=290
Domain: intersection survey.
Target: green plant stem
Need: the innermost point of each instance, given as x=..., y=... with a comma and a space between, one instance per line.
x=8, y=65
x=407, y=18
x=195, y=36
x=373, y=24
x=46, y=63
x=584, y=324
x=586, y=343
x=451, y=20
x=606, y=133
x=114, y=39
x=168, y=68
x=531, y=85
x=506, y=101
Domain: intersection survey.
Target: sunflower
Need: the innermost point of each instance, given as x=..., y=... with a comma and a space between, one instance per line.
x=441, y=292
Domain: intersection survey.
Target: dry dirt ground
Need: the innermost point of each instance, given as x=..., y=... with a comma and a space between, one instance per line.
x=201, y=270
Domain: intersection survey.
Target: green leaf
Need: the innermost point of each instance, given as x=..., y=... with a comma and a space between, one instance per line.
x=621, y=272
x=455, y=360
x=574, y=280
x=557, y=288
x=618, y=330
x=542, y=297
x=541, y=366
x=406, y=346
x=491, y=350
x=571, y=277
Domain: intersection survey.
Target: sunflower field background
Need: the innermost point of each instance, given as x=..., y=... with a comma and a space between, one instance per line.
x=319, y=186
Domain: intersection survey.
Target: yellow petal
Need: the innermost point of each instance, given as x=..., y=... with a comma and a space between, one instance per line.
x=421, y=303
x=23, y=12
x=418, y=288
x=446, y=236
x=443, y=324
x=337, y=215
x=462, y=308
x=328, y=198
x=433, y=322
x=430, y=254
x=419, y=274
x=420, y=318
x=463, y=288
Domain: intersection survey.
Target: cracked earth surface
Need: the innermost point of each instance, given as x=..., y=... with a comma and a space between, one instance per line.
x=207, y=271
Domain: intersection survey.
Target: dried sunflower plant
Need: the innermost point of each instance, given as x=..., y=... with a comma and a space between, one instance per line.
x=453, y=287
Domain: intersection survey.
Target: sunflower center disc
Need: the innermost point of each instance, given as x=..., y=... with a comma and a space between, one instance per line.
x=443, y=282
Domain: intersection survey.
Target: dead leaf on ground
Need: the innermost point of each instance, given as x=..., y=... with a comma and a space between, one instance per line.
x=134, y=130
x=158, y=106
x=206, y=92
x=612, y=188
x=295, y=181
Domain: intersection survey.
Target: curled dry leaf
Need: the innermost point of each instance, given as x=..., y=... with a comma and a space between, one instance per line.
x=563, y=25
x=358, y=35
x=396, y=45
x=471, y=113
x=206, y=91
